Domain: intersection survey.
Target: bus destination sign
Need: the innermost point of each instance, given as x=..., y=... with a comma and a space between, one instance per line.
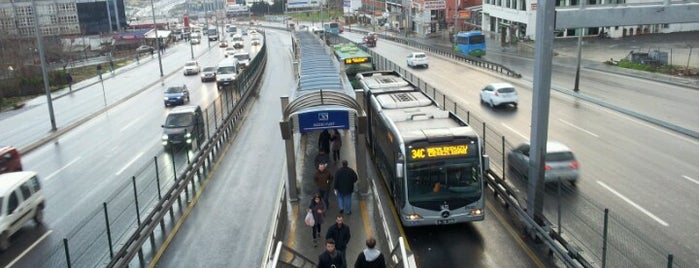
x=356, y=60
x=443, y=151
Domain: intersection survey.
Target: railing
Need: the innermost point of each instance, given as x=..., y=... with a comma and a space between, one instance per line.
x=492, y=66
x=399, y=255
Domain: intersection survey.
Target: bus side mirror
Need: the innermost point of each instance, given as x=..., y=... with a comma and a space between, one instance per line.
x=486, y=163
x=399, y=170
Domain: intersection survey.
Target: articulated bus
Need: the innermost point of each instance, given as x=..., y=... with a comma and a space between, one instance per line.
x=354, y=61
x=431, y=160
x=469, y=43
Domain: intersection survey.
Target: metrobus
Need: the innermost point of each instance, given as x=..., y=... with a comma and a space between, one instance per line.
x=469, y=43
x=431, y=161
x=332, y=28
x=354, y=61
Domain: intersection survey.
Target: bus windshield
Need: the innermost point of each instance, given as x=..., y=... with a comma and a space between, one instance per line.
x=457, y=181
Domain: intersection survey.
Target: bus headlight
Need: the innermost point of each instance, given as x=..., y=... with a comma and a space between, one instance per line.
x=413, y=217
x=165, y=137
x=476, y=212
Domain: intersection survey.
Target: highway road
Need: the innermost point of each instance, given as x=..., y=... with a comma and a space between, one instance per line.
x=645, y=174
x=95, y=159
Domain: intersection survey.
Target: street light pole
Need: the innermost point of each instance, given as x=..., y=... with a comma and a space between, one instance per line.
x=159, y=48
x=44, y=73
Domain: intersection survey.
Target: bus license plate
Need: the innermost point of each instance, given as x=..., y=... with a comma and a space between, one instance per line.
x=448, y=221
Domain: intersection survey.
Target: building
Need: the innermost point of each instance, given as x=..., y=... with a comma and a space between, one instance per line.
x=60, y=17
x=516, y=19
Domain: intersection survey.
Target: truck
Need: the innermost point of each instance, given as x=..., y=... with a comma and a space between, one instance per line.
x=212, y=33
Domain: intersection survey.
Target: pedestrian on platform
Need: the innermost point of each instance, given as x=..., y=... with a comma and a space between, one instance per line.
x=345, y=178
x=370, y=257
x=317, y=207
x=324, y=142
x=330, y=258
x=340, y=233
x=323, y=179
x=322, y=158
x=336, y=144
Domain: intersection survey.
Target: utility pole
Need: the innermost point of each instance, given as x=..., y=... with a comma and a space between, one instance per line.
x=44, y=73
x=157, y=39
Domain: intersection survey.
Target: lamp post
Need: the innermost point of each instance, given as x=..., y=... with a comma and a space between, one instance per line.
x=159, y=48
x=44, y=73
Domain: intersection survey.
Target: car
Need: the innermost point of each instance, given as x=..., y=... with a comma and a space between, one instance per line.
x=176, y=95
x=252, y=32
x=560, y=162
x=242, y=59
x=417, y=59
x=191, y=67
x=21, y=200
x=144, y=49
x=370, y=39
x=184, y=126
x=255, y=40
x=195, y=41
x=229, y=51
x=497, y=94
x=226, y=73
x=10, y=160
x=317, y=30
x=238, y=41
x=223, y=43
x=208, y=74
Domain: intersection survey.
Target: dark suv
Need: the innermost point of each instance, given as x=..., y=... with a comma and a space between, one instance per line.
x=184, y=126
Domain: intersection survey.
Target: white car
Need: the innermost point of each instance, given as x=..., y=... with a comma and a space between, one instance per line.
x=417, y=59
x=21, y=200
x=242, y=59
x=497, y=94
x=255, y=40
x=229, y=51
x=191, y=67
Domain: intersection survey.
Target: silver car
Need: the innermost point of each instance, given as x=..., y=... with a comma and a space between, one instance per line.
x=208, y=74
x=499, y=94
x=560, y=162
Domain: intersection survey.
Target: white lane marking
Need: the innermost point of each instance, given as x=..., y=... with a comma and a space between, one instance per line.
x=578, y=128
x=656, y=218
x=128, y=125
x=29, y=248
x=515, y=131
x=129, y=163
x=690, y=179
x=60, y=169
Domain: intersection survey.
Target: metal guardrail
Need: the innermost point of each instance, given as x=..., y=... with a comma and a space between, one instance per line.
x=492, y=66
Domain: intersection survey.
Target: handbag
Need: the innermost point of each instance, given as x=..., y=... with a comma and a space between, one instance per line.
x=310, y=221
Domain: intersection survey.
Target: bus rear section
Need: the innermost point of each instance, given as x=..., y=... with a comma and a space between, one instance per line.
x=469, y=43
x=430, y=160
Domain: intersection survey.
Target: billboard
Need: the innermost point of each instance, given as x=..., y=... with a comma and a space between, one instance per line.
x=302, y=4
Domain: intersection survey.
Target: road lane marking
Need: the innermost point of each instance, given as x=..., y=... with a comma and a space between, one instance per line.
x=129, y=163
x=656, y=218
x=515, y=131
x=578, y=128
x=129, y=125
x=690, y=179
x=60, y=169
x=29, y=248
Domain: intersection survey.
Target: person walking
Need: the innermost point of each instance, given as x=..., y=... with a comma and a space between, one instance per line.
x=345, y=178
x=323, y=179
x=324, y=142
x=317, y=207
x=321, y=158
x=340, y=233
x=330, y=258
x=370, y=257
x=336, y=144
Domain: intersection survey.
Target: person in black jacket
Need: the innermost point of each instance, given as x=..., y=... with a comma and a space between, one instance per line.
x=370, y=257
x=330, y=258
x=345, y=178
x=340, y=233
x=324, y=142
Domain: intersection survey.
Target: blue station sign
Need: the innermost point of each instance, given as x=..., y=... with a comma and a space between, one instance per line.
x=319, y=120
